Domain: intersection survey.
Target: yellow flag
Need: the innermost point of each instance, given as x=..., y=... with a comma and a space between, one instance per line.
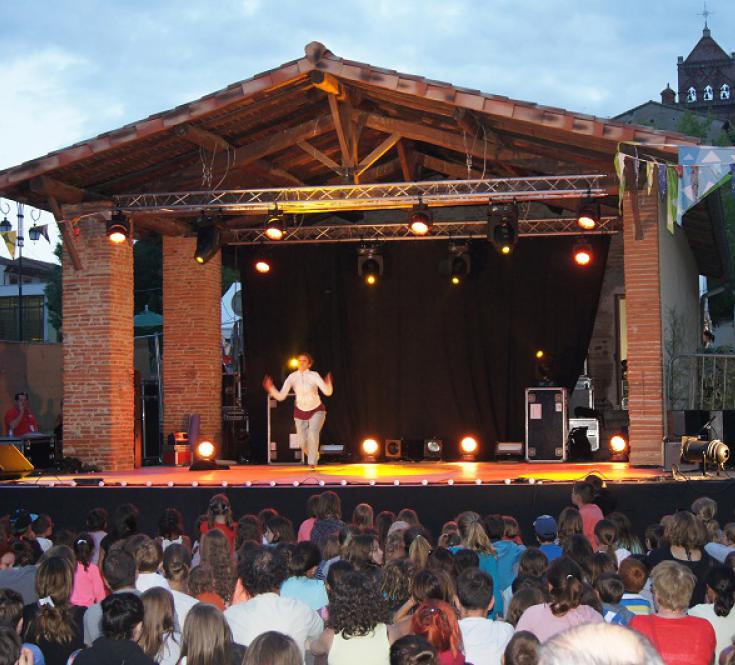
x=10, y=239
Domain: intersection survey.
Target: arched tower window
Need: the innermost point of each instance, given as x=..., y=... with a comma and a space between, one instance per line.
x=724, y=91
x=691, y=95
x=708, y=95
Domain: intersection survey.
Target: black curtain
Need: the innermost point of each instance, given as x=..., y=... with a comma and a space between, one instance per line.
x=415, y=356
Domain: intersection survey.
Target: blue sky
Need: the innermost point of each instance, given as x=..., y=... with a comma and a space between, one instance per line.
x=70, y=69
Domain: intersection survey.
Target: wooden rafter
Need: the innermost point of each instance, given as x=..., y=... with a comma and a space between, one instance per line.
x=451, y=169
x=344, y=129
x=376, y=153
x=275, y=173
x=317, y=154
x=407, y=158
x=70, y=243
x=247, y=154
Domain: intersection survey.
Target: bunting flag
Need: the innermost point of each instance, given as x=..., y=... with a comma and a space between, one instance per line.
x=620, y=170
x=662, y=183
x=10, y=238
x=672, y=197
x=650, y=168
x=43, y=230
x=703, y=169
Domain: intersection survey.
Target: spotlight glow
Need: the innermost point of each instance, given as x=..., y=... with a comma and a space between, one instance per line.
x=586, y=222
x=205, y=449
x=371, y=280
x=117, y=237
x=370, y=447
x=456, y=280
x=293, y=363
x=262, y=266
x=618, y=444
x=419, y=227
x=505, y=249
x=539, y=354
x=274, y=233
x=469, y=445
x=582, y=257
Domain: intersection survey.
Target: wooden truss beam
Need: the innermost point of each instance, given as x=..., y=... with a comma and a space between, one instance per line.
x=376, y=153
x=317, y=154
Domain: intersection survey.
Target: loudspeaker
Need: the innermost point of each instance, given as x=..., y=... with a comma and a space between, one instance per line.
x=393, y=449
x=433, y=449
x=672, y=456
x=12, y=463
x=546, y=424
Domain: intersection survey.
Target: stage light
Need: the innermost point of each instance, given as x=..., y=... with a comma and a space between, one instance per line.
x=370, y=448
x=118, y=228
x=694, y=451
x=274, y=226
x=204, y=457
x=619, y=448
x=419, y=220
x=433, y=449
x=502, y=226
x=588, y=214
x=262, y=266
x=582, y=253
x=208, y=241
x=539, y=354
x=293, y=363
x=618, y=444
x=457, y=264
x=369, y=264
x=468, y=446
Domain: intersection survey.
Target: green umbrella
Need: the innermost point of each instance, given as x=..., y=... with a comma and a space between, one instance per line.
x=147, y=319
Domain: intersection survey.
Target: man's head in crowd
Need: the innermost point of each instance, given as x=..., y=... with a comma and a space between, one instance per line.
x=475, y=593
x=118, y=569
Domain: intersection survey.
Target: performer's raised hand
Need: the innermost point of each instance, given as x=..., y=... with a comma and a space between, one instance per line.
x=328, y=379
x=267, y=383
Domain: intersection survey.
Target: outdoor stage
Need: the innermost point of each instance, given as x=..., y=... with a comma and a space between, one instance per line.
x=437, y=490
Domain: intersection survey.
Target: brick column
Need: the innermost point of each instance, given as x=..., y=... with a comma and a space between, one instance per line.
x=192, y=344
x=645, y=332
x=98, y=350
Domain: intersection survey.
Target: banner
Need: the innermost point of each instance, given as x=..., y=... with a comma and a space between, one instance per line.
x=702, y=170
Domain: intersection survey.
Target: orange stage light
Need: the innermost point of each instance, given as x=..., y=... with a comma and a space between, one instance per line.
x=469, y=446
x=293, y=363
x=618, y=444
x=262, y=266
x=370, y=447
x=205, y=449
x=539, y=354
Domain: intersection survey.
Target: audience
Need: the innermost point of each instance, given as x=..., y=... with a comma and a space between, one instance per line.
x=565, y=608
x=718, y=609
x=118, y=571
x=601, y=644
x=273, y=648
x=122, y=625
x=53, y=623
x=678, y=638
x=357, y=629
x=258, y=606
x=158, y=637
x=207, y=639
x=484, y=639
x=374, y=591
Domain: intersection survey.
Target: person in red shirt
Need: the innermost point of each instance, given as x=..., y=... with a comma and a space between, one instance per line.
x=679, y=639
x=18, y=419
x=583, y=495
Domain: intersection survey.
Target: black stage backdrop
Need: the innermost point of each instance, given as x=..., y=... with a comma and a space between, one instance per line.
x=414, y=356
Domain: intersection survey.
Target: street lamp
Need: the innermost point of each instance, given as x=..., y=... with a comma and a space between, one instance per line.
x=5, y=227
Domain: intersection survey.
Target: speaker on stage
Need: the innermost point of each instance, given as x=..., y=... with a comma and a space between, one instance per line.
x=13, y=463
x=393, y=450
x=546, y=424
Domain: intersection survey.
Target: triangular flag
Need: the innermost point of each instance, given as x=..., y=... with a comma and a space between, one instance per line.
x=10, y=238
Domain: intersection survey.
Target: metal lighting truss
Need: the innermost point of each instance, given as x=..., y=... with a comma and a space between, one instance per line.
x=455, y=230
x=300, y=200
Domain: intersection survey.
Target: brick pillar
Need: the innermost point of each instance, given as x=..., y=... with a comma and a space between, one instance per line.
x=192, y=344
x=98, y=350
x=645, y=332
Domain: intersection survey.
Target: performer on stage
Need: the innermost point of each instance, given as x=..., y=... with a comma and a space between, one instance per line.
x=309, y=411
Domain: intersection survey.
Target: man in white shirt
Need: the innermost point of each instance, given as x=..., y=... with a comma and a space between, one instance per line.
x=258, y=607
x=309, y=411
x=484, y=639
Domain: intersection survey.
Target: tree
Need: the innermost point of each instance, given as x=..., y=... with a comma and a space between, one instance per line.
x=147, y=279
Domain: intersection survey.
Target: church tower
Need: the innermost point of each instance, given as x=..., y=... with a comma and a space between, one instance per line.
x=707, y=78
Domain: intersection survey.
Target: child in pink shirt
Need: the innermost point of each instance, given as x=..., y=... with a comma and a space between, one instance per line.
x=88, y=587
x=582, y=495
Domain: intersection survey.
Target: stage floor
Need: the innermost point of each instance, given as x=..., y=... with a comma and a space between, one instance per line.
x=423, y=473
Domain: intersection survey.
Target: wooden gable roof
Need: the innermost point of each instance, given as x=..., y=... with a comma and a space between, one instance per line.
x=320, y=120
